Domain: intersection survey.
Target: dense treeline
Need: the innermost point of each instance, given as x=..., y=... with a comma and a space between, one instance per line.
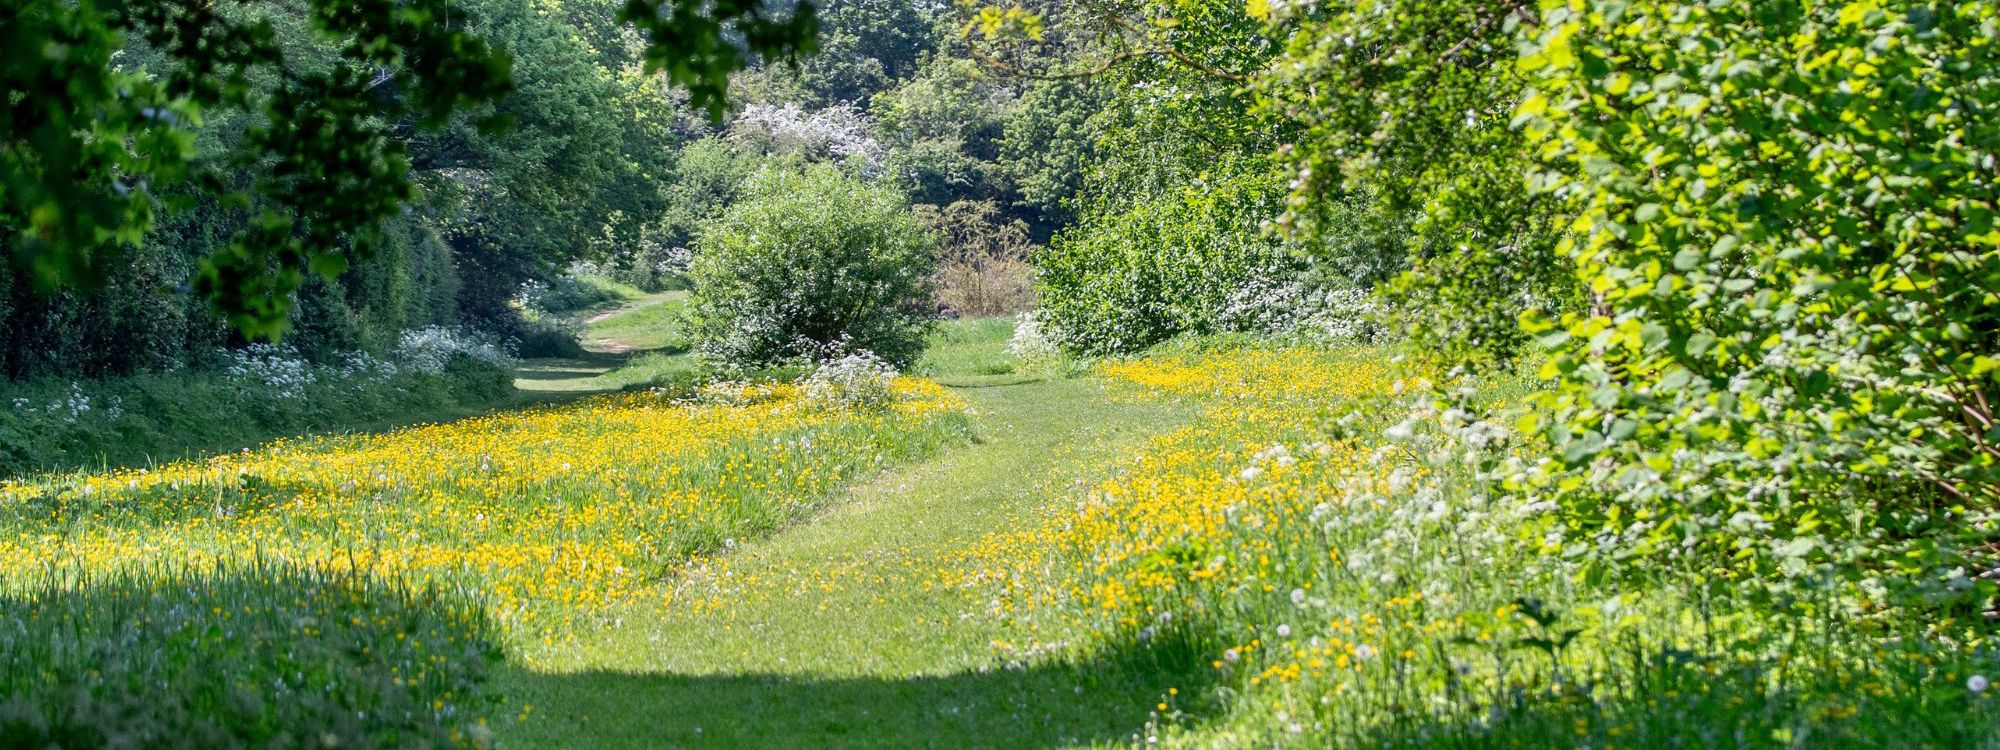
x=591, y=139
x=1750, y=247
x=600, y=161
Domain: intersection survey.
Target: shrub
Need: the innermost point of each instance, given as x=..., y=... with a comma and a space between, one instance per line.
x=429, y=350
x=982, y=259
x=653, y=266
x=837, y=134
x=1168, y=266
x=812, y=265
x=256, y=658
x=1792, y=361
x=583, y=286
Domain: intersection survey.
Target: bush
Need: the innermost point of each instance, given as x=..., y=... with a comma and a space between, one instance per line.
x=811, y=266
x=982, y=259
x=1792, y=360
x=1169, y=266
x=580, y=288
x=652, y=266
x=257, y=658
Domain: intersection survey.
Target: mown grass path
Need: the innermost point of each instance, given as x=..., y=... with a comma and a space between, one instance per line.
x=833, y=634
x=613, y=338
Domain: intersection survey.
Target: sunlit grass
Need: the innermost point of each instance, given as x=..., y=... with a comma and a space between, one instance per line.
x=652, y=324
x=548, y=515
x=1321, y=538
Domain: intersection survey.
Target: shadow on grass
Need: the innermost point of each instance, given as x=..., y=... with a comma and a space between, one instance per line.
x=1675, y=700
x=550, y=372
x=1055, y=704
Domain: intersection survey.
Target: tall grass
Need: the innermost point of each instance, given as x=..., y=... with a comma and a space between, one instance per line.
x=1329, y=546
x=258, y=655
x=153, y=419
x=241, y=600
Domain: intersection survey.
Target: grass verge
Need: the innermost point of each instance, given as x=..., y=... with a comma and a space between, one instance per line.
x=1322, y=539
x=154, y=419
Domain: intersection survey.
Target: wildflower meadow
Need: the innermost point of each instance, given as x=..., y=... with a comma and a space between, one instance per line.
x=1015, y=374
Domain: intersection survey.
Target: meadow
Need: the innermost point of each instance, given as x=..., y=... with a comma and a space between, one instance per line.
x=1000, y=373
x=446, y=542
x=1217, y=544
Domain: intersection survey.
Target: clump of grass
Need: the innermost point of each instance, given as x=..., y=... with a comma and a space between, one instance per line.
x=240, y=656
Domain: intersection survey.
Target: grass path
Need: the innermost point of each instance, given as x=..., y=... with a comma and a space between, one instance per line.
x=830, y=634
x=637, y=334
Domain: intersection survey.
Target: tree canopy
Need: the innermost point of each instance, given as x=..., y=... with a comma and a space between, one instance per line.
x=104, y=101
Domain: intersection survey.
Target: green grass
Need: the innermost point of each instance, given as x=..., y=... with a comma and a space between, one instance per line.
x=969, y=350
x=648, y=322
x=241, y=657
x=835, y=632
x=636, y=343
x=922, y=591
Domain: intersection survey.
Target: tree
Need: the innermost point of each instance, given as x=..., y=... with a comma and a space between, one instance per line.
x=90, y=146
x=1408, y=105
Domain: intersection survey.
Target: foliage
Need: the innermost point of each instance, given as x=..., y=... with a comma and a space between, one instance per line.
x=708, y=177
x=252, y=656
x=1323, y=542
x=92, y=144
x=1170, y=266
x=319, y=161
x=1406, y=106
x=982, y=259
x=1047, y=145
x=251, y=395
x=812, y=265
x=943, y=128
x=863, y=47
x=949, y=99
x=581, y=288
x=840, y=134
x=1788, y=221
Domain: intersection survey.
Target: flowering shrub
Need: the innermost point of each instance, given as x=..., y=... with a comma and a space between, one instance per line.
x=430, y=350
x=840, y=134
x=275, y=368
x=1285, y=302
x=858, y=380
x=812, y=266
x=585, y=284
x=69, y=407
